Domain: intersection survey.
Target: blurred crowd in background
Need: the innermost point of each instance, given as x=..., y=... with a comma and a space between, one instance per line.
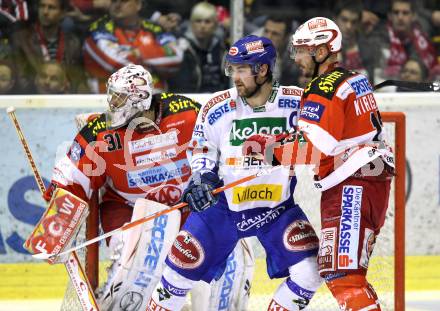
x=72, y=46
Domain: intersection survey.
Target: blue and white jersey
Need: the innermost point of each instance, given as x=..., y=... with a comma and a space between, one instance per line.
x=223, y=124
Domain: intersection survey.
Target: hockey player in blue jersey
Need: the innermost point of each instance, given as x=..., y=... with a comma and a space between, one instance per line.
x=263, y=207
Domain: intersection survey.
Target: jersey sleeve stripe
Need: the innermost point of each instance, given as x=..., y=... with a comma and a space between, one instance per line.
x=66, y=173
x=362, y=139
x=319, y=137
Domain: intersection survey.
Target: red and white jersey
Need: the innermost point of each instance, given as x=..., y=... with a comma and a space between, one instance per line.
x=129, y=165
x=14, y=10
x=340, y=118
x=110, y=47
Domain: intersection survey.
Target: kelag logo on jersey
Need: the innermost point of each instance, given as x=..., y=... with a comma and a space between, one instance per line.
x=220, y=111
x=312, y=111
x=158, y=174
x=243, y=129
x=349, y=227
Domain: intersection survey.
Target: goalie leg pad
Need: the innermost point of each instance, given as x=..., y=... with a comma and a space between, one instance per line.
x=231, y=291
x=142, y=257
x=299, y=288
x=170, y=293
x=353, y=292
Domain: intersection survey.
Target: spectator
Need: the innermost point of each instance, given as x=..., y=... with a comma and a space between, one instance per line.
x=413, y=71
x=169, y=22
x=404, y=38
x=51, y=78
x=374, y=14
x=166, y=7
x=201, y=70
x=6, y=25
x=430, y=12
x=90, y=6
x=13, y=15
x=14, y=10
x=7, y=77
x=82, y=13
x=277, y=29
x=44, y=41
x=124, y=37
x=357, y=52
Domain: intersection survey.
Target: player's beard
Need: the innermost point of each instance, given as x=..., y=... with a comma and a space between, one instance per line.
x=306, y=71
x=244, y=91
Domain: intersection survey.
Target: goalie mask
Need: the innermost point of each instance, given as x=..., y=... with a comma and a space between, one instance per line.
x=129, y=93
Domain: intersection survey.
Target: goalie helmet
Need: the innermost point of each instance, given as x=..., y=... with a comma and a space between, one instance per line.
x=129, y=92
x=314, y=32
x=251, y=50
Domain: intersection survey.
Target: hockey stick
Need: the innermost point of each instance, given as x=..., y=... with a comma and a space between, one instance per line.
x=73, y=265
x=417, y=86
x=142, y=220
x=27, y=151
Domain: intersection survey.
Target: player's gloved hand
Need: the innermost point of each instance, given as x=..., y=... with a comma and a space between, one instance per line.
x=263, y=144
x=199, y=194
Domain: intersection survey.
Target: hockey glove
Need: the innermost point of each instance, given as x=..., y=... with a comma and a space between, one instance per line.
x=264, y=144
x=199, y=194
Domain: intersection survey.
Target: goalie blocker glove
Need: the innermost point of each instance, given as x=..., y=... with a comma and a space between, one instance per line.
x=199, y=194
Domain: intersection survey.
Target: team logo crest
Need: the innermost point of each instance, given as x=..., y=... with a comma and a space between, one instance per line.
x=317, y=23
x=233, y=51
x=186, y=252
x=300, y=236
x=255, y=47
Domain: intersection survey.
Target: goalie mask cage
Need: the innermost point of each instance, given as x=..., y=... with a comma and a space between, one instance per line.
x=387, y=265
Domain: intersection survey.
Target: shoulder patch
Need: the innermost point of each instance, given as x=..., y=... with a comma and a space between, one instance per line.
x=91, y=130
x=173, y=103
x=213, y=101
x=220, y=110
x=327, y=84
x=312, y=111
x=360, y=85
